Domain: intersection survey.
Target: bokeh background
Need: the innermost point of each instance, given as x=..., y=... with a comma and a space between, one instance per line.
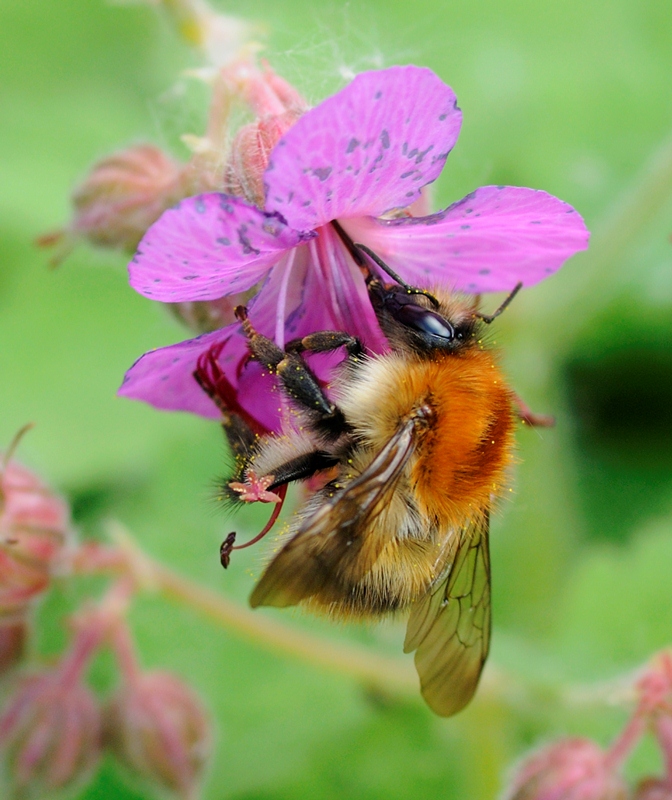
x=572, y=97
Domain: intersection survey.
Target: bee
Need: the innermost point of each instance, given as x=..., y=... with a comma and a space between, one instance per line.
x=412, y=448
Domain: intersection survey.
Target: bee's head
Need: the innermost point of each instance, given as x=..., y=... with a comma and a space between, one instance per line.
x=417, y=320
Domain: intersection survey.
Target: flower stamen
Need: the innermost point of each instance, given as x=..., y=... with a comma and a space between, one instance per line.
x=228, y=545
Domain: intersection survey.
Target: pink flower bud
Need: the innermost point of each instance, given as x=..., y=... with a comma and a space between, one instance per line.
x=158, y=728
x=34, y=530
x=249, y=155
x=50, y=734
x=572, y=769
x=13, y=636
x=277, y=106
x=654, y=685
x=120, y=198
x=653, y=789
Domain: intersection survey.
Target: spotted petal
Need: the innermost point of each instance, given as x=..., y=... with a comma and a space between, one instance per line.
x=368, y=149
x=285, y=308
x=486, y=242
x=207, y=247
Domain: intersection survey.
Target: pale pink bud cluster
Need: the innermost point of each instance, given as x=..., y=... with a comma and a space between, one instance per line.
x=158, y=728
x=53, y=733
x=572, y=769
x=277, y=106
x=50, y=734
x=13, y=638
x=121, y=196
x=655, y=694
x=34, y=533
x=578, y=769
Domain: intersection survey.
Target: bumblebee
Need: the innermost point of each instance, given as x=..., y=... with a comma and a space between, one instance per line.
x=411, y=448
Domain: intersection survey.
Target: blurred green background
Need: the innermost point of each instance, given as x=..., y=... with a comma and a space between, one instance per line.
x=572, y=97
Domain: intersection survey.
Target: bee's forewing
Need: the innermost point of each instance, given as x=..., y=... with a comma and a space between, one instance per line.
x=450, y=626
x=331, y=543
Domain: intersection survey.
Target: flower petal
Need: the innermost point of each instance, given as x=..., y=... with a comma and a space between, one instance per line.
x=486, y=242
x=207, y=247
x=164, y=377
x=367, y=149
x=285, y=308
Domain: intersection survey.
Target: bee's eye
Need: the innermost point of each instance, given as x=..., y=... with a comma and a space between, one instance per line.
x=425, y=321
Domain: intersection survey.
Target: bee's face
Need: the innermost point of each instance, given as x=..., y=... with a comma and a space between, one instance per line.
x=421, y=322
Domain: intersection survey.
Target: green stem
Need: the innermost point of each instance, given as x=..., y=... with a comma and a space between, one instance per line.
x=342, y=658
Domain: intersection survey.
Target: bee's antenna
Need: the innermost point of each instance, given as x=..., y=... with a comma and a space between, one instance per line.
x=352, y=248
x=488, y=318
x=356, y=249
x=228, y=545
x=389, y=271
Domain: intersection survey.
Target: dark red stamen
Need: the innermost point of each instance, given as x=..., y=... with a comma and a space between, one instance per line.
x=211, y=378
x=228, y=545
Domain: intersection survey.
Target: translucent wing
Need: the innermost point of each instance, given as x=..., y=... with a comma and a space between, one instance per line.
x=449, y=628
x=330, y=550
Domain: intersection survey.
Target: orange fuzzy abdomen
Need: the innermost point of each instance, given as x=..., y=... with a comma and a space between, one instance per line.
x=461, y=460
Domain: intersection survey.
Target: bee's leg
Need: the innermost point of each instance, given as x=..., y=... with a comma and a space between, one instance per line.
x=326, y=342
x=302, y=467
x=298, y=380
x=255, y=488
x=528, y=417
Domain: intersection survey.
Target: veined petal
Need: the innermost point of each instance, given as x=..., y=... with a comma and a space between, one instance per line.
x=207, y=247
x=335, y=278
x=486, y=242
x=286, y=307
x=366, y=150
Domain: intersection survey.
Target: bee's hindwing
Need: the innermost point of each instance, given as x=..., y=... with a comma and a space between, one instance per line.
x=449, y=627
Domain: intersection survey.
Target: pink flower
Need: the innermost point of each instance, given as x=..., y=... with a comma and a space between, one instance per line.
x=361, y=157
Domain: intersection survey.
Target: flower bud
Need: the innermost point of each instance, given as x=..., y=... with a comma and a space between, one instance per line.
x=13, y=636
x=249, y=155
x=50, y=735
x=158, y=728
x=276, y=106
x=34, y=530
x=120, y=198
x=653, y=789
x=572, y=769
